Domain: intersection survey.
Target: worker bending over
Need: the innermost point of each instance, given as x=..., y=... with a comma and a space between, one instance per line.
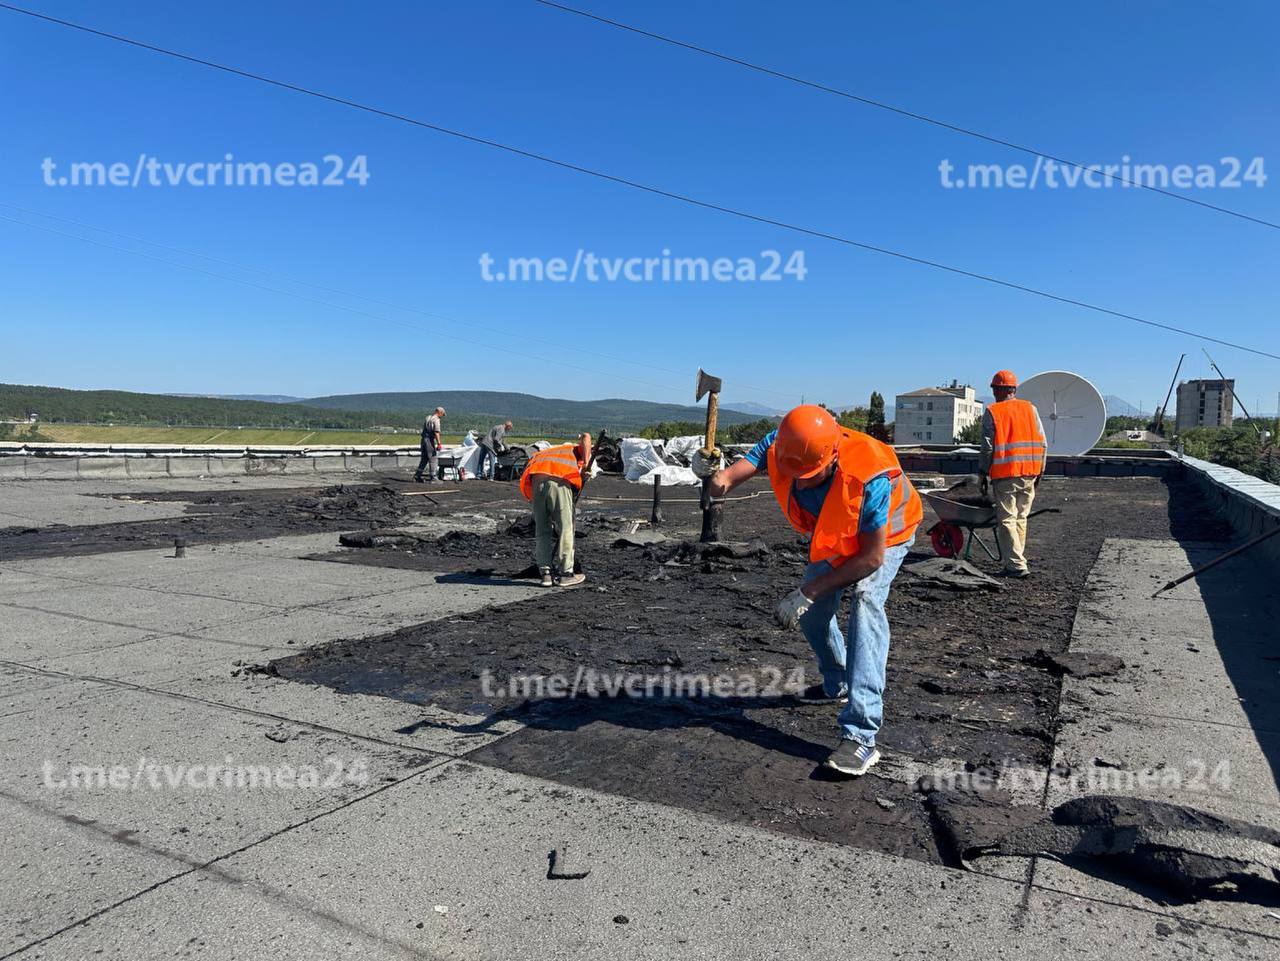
x=552, y=481
x=491, y=445
x=1013, y=456
x=849, y=493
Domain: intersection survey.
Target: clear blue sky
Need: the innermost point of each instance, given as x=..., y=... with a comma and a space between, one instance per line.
x=1162, y=82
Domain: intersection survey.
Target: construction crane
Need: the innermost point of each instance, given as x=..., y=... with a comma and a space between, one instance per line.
x=1234, y=397
x=1159, y=421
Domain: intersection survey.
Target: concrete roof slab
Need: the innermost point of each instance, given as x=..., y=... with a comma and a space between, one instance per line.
x=33, y=633
x=680, y=882
x=72, y=503
x=55, y=872
x=144, y=661
x=191, y=778
x=421, y=727
x=1242, y=696
x=662, y=883
x=93, y=606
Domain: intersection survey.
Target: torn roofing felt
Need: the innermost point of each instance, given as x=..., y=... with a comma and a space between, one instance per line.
x=1188, y=852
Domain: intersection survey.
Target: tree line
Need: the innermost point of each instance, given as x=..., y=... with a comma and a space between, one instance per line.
x=868, y=420
x=127, y=408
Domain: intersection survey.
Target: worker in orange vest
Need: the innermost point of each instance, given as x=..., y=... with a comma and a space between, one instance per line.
x=1011, y=462
x=552, y=480
x=848, y=492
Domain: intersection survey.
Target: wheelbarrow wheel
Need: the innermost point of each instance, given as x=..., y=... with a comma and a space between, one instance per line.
x=948, y=539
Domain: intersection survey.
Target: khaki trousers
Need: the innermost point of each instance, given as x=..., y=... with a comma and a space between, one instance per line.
x=1013, y=497
x=553, y=520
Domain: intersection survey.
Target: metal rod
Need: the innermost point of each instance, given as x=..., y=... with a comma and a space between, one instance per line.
x=1234, y=398
x=1165, y=408
x=1219, y=559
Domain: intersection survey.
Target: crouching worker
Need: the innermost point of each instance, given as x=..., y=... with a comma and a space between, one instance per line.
x=553, y=480
x=849, y=493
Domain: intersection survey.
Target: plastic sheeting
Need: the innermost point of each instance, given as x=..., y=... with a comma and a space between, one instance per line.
x=681, y=448
x=642, y=460
x=467, y=457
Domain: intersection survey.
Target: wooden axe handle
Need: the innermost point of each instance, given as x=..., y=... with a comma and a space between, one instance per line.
x=713, y=415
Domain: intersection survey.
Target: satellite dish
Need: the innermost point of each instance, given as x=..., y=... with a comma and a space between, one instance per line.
x=1072, y=411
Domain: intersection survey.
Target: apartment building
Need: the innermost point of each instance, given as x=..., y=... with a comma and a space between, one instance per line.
x=1205, y=403
x=935, y=414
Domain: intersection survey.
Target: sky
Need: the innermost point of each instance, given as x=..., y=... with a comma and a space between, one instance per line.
x=380, y=286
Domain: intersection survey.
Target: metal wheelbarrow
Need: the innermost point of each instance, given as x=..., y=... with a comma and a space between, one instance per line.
x=955, y=518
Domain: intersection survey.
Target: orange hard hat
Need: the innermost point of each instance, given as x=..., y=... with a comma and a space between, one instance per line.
x=1004, y=378
x=808, y=438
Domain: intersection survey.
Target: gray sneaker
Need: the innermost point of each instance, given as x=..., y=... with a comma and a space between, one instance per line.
x=570, y=580
x=852, y=758
x=546, y=577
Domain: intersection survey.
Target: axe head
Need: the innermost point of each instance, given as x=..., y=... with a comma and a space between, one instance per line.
x=707, y=384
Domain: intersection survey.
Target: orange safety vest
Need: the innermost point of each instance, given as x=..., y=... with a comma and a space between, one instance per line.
x=561, y=461
x=859, y=461
x=1019, y=441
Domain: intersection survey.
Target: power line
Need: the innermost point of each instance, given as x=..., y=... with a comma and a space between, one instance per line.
x=647, y=188
x=900, y=111
x=612, y=358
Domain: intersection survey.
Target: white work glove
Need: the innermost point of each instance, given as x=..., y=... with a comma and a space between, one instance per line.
x=705, y=465
x=791, y=608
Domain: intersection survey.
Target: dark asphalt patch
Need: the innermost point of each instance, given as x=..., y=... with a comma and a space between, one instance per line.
x=965, y=679
x=229, y=515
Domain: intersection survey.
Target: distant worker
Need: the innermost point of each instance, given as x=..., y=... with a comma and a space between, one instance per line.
x=552, y=481
x=491, y=445
x=849, y=493
x=1013, y=456
x=430, y=447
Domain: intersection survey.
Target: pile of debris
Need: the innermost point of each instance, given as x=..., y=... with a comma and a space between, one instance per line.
x=1190, y=853
x=351, y=503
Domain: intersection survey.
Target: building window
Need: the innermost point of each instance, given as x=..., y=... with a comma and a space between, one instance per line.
x=930, y=435
x=929, y=421
x=930, y=405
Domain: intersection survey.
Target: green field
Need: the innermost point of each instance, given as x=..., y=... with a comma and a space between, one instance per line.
x=228, y=436
x=231, y=437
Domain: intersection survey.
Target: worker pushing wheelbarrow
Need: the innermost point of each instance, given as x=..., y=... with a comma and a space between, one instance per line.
x=960, y=513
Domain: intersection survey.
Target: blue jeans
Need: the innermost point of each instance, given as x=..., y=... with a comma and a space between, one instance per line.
x=858, y=667
x=486, y=455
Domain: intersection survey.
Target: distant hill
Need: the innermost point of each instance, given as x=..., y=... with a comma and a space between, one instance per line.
x=754, y=409
x=59, y=405
x=496, y=405
x=468, y=410
x=265, y=398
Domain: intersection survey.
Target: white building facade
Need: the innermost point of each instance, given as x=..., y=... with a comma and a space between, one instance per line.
x=934, y=415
